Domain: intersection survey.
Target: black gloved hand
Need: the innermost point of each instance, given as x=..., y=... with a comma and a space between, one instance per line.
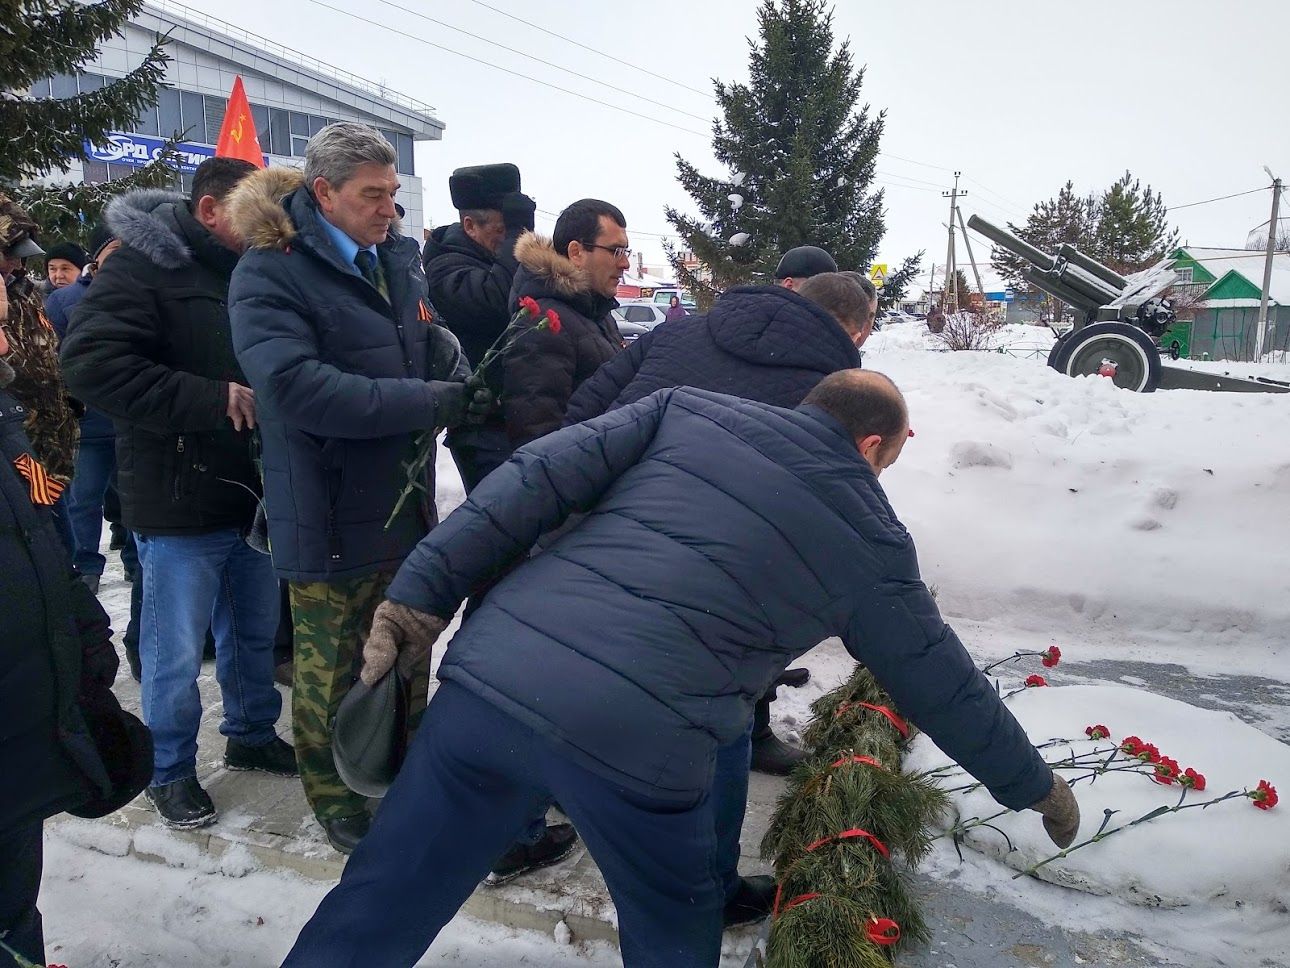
x=518, y=210
x=480, y=401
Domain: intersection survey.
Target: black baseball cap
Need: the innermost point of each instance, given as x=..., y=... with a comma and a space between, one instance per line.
x=803, y=262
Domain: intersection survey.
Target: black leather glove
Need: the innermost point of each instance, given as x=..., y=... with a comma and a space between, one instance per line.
x=480, y=401
x=518, y=210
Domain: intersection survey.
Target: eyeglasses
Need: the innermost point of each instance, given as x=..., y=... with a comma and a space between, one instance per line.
x=620, y=252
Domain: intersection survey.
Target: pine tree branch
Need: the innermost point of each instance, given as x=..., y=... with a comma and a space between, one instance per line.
x=41, y=38
x=49, y=132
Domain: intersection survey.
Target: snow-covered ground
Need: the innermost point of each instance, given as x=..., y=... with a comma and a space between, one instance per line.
x=1147, y=535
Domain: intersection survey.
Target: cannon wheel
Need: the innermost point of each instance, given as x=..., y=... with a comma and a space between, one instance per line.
x=1135, y=357
x=1055, y=354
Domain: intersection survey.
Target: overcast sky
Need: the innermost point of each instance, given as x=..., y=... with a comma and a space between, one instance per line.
x=1019, y=95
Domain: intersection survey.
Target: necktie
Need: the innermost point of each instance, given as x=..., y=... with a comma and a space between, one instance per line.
x=370, y=267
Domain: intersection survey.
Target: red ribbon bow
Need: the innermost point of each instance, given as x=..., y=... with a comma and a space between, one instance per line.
x=901, y=726
x=847, y=760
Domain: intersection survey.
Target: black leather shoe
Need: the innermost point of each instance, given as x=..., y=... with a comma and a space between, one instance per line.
x=284, y=673
x=752, y=901
x=276, y=756
x=772, y=755
x=556, y=844
x=182, y=805
x=344, y=833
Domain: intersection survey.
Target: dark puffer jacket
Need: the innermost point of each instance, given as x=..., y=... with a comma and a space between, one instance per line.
x=95, y=425
x=55, y=649
x=641, y=639
x=150, y=346
x=469, y=287
x=762, y=343
x=344, y=381
x=541, y=369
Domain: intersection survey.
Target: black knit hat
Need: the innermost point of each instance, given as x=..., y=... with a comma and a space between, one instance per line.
x=803, y=262
x=69, y=252
x=100, y=237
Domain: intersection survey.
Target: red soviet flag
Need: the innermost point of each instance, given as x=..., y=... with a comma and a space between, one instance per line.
x=237, y=137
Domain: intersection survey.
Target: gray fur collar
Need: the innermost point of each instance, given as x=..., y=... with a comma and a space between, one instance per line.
x=143, y=219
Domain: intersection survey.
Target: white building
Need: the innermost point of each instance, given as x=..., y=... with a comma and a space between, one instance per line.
x=292, y=96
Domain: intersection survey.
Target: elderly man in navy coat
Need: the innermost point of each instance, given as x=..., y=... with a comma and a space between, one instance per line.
x=722, y=539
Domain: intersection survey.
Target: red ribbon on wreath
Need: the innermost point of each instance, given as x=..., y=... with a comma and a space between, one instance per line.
x=901, y=726
x=847, y=760
x=883, y=931
x=848, y=835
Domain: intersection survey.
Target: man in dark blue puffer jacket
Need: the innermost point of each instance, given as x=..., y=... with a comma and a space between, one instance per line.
x=722, y=539
x=772, y=345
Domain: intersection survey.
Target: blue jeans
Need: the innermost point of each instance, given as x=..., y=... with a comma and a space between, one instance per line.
x=191, y=583
x=94, y=463
x=729, y=802
x=472, y=780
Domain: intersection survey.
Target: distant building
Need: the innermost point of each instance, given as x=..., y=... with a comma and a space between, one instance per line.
x=292, y=97
x=1225, y=286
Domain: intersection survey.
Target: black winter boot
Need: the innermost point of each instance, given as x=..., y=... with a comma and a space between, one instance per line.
x=556, y=844
x=344, y=833
x=276, y=756
x=752, y=901
x=182, y=805
x=770, y=754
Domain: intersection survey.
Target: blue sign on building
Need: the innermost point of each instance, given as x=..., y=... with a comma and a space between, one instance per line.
x=1004, y=295
x=138, y=150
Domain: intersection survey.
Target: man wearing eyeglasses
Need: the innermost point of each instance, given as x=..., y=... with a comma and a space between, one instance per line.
x=575, y=273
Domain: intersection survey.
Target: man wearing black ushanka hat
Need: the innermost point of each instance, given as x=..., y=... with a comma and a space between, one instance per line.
x=470, y=265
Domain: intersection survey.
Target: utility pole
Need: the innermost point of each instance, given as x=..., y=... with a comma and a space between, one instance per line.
x=1261, y=335
x=976, y=273
x=951, y=275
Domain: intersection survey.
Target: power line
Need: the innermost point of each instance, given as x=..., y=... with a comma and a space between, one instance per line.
x=496, y=67
x=1220, y=198
x=570, y=40
x=525, y=54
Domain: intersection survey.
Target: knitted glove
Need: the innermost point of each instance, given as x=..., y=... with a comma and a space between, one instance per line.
x=1061, y=813
x=480, y=401
x=399, y=634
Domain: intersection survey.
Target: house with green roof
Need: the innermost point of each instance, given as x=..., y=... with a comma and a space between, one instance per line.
x=1227, y=314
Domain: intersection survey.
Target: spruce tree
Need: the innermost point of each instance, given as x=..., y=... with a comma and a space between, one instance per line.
x=800, y=150
x=1068, y=217
x=893, y=292
x=1132, y=227
x=40, y=38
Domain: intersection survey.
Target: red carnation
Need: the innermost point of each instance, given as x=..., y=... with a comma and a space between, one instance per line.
x=1097, y=732
x=553, y=320
x=1265, y=796
x=1051, y=657
x=1149, y=753
x=1130, y=745
x=530, y=306
x=1166, y=771
x=1036, y=680
x=1191, y=778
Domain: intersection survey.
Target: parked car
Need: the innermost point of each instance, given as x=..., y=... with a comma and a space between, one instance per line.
x=644, y=313
x=897, y=316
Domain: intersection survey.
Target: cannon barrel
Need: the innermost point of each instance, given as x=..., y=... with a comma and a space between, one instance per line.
x=1077, y=258
x=1073, y=277
x=1006, y=240
x=1055, y=289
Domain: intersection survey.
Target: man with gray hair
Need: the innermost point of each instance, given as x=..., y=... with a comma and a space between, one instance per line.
x=332, y=327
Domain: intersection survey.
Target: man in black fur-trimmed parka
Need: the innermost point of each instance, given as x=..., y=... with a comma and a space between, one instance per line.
x=151, y=346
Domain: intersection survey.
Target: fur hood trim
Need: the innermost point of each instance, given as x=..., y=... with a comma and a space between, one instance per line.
x=256, y=210
x=144, y=221
x=537, y=254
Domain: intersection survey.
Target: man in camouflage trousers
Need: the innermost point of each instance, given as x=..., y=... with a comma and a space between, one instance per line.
x=332, y=327
x=51, y=423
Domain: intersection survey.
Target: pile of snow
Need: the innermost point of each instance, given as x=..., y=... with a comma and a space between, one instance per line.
x=1231, y=854
x=1071, y=506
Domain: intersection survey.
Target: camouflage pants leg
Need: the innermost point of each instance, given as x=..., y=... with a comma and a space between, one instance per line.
x=331, y=621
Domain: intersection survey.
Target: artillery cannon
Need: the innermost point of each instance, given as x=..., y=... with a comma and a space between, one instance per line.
x=1124, y=318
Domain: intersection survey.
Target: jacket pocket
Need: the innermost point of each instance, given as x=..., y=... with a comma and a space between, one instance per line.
x=186, y=466
x=334, y=464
